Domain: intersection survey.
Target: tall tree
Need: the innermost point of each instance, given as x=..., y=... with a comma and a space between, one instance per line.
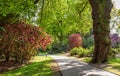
x=14, y=9
x=57, y=15
x=101, y=15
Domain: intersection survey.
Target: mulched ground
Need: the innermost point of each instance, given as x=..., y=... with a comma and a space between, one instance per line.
x=5, y=66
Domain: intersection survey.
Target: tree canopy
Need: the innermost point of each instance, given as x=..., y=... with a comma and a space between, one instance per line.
x=10, y=10
x=60, y=18
x=63, y=17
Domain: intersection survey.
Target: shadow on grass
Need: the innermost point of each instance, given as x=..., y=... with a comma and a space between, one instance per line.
x=33, y=69
x=117, y=67
x=115, y=62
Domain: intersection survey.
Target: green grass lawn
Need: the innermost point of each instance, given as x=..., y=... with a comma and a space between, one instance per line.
x=113, y=64
x=39, y=66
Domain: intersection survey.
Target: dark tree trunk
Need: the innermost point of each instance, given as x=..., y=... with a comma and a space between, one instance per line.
x=7, y=56
x=101, y=15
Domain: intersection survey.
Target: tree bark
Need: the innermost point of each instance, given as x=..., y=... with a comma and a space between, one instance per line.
x=101, y=15
x=7, y=56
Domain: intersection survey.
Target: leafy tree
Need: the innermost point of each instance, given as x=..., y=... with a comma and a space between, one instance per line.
x=16, y=8
x=101, y=15
x=64, y=17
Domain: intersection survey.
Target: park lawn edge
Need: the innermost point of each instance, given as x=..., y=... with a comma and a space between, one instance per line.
x=109, y=66
x=48, y=63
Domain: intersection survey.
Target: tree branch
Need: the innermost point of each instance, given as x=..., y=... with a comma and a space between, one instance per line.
x=36, y=1
x=83, y=7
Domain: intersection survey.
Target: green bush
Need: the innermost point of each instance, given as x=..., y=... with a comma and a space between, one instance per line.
x=81, y=52
x=114, y=51
x=58, y=47
x=87, y=42
x=74, y=51
x=91, y=49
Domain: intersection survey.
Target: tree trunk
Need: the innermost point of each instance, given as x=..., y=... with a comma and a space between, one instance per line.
x=101, y=15
x=7, y=56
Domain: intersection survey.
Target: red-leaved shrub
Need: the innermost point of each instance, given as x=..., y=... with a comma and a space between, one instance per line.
x=45, y=41
x=75, y=40
x=20, y=41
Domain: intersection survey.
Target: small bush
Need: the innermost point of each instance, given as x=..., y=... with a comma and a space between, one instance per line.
x=75, y=40
x=81, y=52
x=73, y=51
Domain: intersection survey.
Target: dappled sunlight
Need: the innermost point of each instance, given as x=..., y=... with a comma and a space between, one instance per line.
x=72, y=67
x=114, y=65
x=39, y=67
x=36, y=34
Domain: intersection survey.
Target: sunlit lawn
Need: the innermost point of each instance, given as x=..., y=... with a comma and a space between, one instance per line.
x=39, y=67
x=113, y=64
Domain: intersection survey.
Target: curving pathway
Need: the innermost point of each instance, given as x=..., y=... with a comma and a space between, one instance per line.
x=73, y=67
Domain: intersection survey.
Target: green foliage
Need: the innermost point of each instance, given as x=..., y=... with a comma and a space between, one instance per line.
x=87, y=42
x=55, y=16
x=73, y=51
x=114, y=60
x=91, y=49
x=58, y=47
x=58, y=15
x=16, y=10
x=81, y=52
x=19, y=7
x=114, y=52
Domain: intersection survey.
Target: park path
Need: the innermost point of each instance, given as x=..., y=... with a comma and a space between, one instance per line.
x=73, y=67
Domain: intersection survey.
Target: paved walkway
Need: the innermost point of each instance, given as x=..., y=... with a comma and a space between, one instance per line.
x=72, y=67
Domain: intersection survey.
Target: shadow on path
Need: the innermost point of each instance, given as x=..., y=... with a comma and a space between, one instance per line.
x=72, y=67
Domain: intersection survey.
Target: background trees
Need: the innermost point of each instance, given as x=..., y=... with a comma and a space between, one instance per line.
x=14, y=9
x=64, y=17
x=19, y=39
x=60, y=18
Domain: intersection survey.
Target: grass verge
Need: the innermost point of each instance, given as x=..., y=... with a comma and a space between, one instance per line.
x=113, y=65
x=39, y=66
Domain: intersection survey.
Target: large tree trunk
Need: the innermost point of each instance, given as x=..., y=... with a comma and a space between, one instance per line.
x=7, y=56
x=101, y=15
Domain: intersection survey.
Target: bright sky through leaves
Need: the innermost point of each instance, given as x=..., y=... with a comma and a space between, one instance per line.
x=116, y=4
